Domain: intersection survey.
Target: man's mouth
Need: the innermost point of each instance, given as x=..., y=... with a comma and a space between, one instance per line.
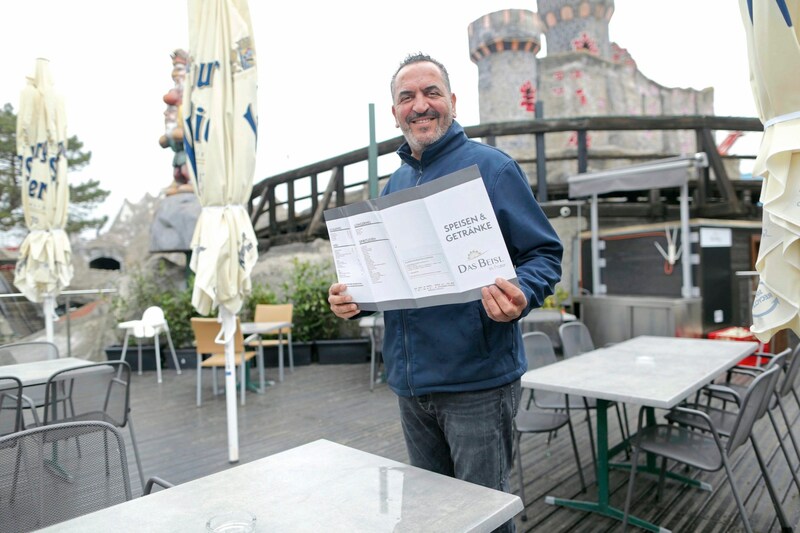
x=423, y=118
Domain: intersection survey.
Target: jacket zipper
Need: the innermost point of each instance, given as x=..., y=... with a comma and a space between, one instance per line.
x=406, y=353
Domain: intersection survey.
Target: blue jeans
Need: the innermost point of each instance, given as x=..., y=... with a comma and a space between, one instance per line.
x=466, y=435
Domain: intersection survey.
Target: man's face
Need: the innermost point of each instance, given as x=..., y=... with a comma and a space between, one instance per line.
x=423, y=107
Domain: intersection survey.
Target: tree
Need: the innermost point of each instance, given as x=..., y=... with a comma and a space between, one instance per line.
x=84, y=197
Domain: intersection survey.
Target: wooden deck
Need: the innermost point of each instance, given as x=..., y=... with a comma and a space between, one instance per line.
x=180, y=442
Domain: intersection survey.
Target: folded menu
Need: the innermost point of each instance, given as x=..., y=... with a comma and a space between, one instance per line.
x=434, y=244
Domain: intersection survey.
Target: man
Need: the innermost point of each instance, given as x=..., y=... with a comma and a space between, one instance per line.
x=456, y=368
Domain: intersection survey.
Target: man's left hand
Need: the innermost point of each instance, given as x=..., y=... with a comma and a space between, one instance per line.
x=503, y=301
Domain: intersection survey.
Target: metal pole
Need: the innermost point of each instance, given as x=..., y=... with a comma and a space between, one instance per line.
x=686, y=257
x=226, y=336
x=372, y=155
x=595, y=247
x=541, y=161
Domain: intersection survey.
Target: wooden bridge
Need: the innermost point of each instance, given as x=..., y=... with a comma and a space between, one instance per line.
x=288, y=207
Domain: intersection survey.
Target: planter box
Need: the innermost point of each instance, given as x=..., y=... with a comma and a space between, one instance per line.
x=302, y=351
x=342, y=351
x=187, y=358
x=132, y=356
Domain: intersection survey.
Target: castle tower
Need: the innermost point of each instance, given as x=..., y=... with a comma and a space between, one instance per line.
x=577, y=26
x=504, y=45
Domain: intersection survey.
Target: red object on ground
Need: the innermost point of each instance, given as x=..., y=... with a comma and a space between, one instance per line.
x=740, y=334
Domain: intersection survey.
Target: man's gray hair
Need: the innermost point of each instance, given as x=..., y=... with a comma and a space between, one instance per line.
x=419, y=57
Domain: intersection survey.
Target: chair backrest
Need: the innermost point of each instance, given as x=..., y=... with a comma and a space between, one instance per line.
x=754, y=402
x=538, y=349
x=205, y=334
x=154, y=316
x=96, y=391
x=575, y=338
x=10, y=405
x=27, y=352
x=31, y=461
x=790, y=375
x=274, y=313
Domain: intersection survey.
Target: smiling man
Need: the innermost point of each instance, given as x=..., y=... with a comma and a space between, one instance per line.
x=456, y=368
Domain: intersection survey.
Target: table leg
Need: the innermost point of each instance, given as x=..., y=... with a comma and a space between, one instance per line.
x=601, y=506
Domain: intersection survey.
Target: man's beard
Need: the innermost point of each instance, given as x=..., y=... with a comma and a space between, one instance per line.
x=419, y=142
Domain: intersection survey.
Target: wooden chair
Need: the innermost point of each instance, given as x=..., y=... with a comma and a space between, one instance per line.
x=276, y=313
x=206, y=331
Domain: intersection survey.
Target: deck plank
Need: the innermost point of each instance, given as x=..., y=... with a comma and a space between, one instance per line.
x=180, y=442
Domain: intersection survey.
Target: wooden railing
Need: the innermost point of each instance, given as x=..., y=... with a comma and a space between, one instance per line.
x=288, y=207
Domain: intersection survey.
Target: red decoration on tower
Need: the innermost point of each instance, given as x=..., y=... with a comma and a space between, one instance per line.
x=528, y=95
x=584, y=43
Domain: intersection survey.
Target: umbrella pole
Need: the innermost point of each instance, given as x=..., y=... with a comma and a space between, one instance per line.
x=49, y=310
x=229, y=330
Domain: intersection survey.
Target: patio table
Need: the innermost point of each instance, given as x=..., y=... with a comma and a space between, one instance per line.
x=319, y=486
x=261, y=328
x=38, y=372
x=656, y=372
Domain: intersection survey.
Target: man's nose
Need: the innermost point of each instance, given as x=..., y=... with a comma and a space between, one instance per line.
x=420, y=104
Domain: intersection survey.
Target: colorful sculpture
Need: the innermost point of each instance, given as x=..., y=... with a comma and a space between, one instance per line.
x=173, y=120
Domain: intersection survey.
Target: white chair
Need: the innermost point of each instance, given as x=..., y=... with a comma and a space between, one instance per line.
x=152, y=323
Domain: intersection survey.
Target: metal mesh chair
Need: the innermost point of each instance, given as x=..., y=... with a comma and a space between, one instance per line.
x=46, y=478
x=27, y=352
x=539, y=352
x=97, y=391
x=10, y=405
x=704, y=450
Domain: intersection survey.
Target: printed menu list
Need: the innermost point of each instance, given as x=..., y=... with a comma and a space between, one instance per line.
x=435, y=244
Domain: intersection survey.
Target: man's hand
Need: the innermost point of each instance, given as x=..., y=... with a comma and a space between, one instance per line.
x=342, y=303
x=503, y=301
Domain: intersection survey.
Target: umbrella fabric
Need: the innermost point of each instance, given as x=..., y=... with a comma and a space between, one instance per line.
x=44, y=267
x=771, y=27
x=220, y=131
x=220, y=141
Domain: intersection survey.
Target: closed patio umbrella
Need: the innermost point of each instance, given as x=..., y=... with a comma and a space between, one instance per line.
x=220, y=138
x=771, y=27
x=44, y=267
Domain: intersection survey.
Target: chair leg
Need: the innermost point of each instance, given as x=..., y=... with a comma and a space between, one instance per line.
x=199, y=380
x=577, y=455
x=591, y=437
x=517, y=439
x=291, y=354
x=280, y=357
x=139, y=346
x=783, y=445
x=261, y=386
x=776, y=500
x=172, y=349
x=158, y=357
x=136, y=452
x=629, y=495
x=125, y=345
x=735, y=492
x=788, y=428
x=242, y=380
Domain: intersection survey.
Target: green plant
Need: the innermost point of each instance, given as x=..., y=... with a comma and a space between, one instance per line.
x=259, y=294
x=307, y=288
x=557, y=299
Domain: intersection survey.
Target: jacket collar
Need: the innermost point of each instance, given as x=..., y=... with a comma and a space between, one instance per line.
x=453, y=137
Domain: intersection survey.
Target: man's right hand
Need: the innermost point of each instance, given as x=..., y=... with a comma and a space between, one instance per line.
x=342, y=303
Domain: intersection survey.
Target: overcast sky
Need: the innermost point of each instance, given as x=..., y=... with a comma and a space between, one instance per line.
x=320, y=64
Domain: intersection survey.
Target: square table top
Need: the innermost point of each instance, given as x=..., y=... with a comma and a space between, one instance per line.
x=249, y=328
x=646, y=370
x=38, y=372
x=320, y=486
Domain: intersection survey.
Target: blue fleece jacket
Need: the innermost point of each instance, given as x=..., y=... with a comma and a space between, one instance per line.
x=452, y=348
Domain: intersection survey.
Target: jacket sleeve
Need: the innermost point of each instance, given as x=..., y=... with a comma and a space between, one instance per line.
x=533, y=244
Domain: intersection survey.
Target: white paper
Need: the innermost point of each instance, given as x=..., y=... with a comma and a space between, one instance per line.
x=435, y=244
